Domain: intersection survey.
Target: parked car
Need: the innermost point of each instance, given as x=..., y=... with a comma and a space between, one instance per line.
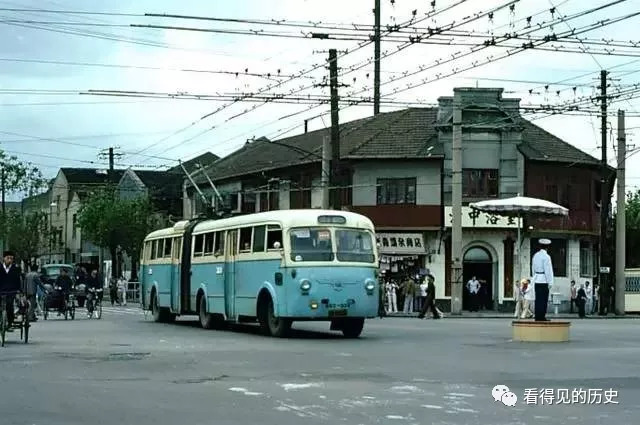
x=50, y=273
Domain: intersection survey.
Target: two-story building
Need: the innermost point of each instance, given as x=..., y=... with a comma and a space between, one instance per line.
x=396, y=169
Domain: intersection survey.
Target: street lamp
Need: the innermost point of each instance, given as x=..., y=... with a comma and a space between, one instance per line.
x=51, y=205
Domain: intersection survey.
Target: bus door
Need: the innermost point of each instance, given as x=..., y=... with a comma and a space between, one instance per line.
x=231, y=248
x=176, y=290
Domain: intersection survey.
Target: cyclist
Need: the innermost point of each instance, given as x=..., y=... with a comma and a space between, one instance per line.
x=10, y=283
x=63, y=285
x=94, y=289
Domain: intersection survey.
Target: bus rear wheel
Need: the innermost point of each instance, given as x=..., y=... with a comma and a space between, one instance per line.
x=278, y=327
x=352, y=328
x=160, y=314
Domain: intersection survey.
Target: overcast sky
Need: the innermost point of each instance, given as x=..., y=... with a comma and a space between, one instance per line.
x=89, y=124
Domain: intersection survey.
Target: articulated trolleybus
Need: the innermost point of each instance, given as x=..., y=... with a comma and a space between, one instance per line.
x=274, y=267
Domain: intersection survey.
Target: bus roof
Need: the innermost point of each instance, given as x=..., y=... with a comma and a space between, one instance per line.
x=287, y=218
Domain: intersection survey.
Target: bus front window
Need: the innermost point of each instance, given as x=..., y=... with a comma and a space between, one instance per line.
x=355, y=246
x=311, y=244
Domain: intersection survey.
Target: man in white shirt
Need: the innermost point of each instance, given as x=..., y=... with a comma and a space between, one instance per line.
x=473, y=286
x=542, y=279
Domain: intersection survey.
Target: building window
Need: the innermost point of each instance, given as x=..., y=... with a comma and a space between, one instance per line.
x=249, y=202
x=587, y=259
x=480, y=183
x=396, y=191
x=300, y=193
x=558, y=253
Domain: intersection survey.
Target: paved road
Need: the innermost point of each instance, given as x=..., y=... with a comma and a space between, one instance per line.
x=125, y=369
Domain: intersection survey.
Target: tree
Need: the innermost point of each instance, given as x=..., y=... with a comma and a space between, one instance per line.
x=117, y=224
x=26, y=233
x=17, y=176
x=632, y=231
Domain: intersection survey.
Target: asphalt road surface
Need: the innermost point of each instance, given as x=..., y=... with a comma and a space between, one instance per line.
x=125, y=369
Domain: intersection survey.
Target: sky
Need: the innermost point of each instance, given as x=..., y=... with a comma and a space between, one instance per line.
x=44, y=119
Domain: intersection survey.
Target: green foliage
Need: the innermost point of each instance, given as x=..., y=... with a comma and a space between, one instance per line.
x=632, y=231
x=26, y=233
x=114, y=223
x=21, y=176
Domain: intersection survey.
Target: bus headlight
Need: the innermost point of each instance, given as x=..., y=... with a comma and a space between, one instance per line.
x=305, y=285
x=369, y=285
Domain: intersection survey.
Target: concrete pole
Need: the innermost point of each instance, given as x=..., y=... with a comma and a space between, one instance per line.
x=326, y=171
x=456, y=207
x=621, y=218
x=376, y=56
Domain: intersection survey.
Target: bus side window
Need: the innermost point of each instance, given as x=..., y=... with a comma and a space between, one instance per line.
x=208, y=243
x=146, y=254
x=152, y=251
x=258, y=238
x=274, y=234
x=177, y=248
x=198, y=245
x=159, y=248
x=245, y=239
x=167, y=247
x=218, y=246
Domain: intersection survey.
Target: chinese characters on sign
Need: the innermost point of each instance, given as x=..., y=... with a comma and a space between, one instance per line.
x=549, y=396
x=401, y=243
x=478, y=219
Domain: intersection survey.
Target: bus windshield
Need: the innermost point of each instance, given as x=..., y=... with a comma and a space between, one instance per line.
x=354, y=246
x=311, y=244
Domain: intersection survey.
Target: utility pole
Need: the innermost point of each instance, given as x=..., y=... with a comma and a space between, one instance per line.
x=111, y=155
x=376, y=69
x=456, y=207
x=3, y=188
x=621, y=218
x=604, y=204
x=335, y=124
x=326, y=171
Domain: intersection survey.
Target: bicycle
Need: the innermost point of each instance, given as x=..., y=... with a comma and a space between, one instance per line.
x=94, y=303
x=23, y=311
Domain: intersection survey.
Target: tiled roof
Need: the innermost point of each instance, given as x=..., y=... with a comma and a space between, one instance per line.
x=540, y=145
x=408, y=133
x=205, y=159
x=400, y=134
x=83, y=176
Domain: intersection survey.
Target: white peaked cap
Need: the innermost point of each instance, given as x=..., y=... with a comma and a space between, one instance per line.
x=544, y=242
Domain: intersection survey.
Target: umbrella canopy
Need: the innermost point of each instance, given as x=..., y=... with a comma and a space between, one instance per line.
x=520, y=205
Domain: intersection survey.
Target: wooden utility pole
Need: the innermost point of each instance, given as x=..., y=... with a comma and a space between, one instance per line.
x=326, y=171
x=376, y=69
x=335, y=124
x=621, y=218
x=3, y=188
x=604, y=192
x=111, y=155
x=456, y=207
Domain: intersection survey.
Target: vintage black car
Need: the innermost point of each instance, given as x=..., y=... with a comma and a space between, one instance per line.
x=49, y=273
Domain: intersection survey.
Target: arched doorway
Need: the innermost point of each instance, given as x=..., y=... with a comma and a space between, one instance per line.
x=477, y=262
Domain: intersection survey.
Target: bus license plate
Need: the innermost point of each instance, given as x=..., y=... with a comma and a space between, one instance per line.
x=341, y=312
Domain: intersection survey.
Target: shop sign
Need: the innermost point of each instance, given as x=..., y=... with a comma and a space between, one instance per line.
x=478, y=219
x=401, y=243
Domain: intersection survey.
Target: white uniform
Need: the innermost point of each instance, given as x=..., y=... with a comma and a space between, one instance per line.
x=392, y=300
x=542, y=268
x=473, y=285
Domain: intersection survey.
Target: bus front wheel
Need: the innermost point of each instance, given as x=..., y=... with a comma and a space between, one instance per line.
x=206, y=319
x=272, y=325
x=160, y=314
x=352, y=328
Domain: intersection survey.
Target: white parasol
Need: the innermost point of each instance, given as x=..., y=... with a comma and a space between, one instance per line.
x=520, y=206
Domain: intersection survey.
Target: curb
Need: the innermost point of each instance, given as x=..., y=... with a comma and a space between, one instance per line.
x=552, y=317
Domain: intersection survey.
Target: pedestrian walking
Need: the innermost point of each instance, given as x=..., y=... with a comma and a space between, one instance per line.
x=529, y=299
x=519, y=298
x=122, y=290
x=542, y=279
x=596, y=299
x=409, y=291
x=574, y=296
x=392, y=299
x=589, y=301
x=113, y=291
x=582, y=301
x=473, y=286
x=431, y=297
x=32, y=285
x=423, y=293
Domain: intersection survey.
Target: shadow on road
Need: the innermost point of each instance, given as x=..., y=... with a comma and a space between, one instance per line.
x=254, y=329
